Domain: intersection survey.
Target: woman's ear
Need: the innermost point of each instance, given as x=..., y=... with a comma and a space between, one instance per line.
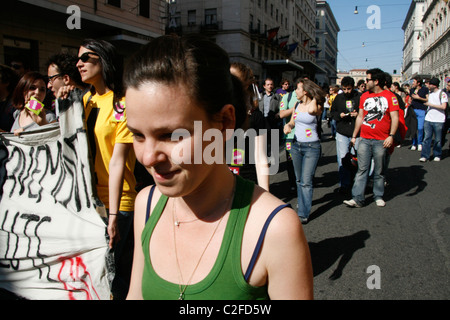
x=228, y=120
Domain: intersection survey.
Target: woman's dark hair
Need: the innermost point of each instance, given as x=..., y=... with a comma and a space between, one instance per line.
x=313, y=90
x=195, y=62
x=66, y=64
x=398, y=86
x=111, y=67
x=23, y=86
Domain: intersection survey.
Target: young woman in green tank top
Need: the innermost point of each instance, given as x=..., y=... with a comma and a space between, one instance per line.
x=203, y=233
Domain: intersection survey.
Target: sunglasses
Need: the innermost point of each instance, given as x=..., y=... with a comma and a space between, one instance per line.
x=85, y=56
x=51, y=78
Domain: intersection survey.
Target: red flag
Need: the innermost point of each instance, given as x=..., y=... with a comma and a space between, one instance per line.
x=283, y=41
x=272, y=33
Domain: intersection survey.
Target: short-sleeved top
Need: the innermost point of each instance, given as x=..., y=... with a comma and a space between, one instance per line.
x=225, y=280
x=418, y=104
x=50, y=116
x=110, y=127
x=433, y=114
x=288, y=102
x=377, y=120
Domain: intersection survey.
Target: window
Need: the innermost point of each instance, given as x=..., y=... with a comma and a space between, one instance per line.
x=115, y=3
x=192, y=17
x=210, y=16
x=144, y=8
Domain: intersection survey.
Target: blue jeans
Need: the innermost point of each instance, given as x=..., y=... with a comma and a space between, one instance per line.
x=333, y=127
x=429, y=129
x=305, y=156
x=368, y=149
x=418, y=138
x=342, y=143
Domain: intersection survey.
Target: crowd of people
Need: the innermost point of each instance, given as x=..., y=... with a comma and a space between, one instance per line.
x=195, y=224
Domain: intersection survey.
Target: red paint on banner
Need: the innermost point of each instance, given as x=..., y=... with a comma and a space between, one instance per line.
x=77, y=274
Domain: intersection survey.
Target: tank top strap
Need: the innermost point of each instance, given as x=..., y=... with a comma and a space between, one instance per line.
x=149, y=202
x=261, y=239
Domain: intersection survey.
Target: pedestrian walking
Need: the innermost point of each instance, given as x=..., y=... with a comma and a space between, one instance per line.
x=306, y=149
x=377, y=123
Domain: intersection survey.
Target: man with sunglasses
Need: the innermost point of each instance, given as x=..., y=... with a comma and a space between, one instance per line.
x=377, y=123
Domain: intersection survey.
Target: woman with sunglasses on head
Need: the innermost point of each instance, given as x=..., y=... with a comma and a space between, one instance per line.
x=111, y=145
x=197, y=229
x=28, y=98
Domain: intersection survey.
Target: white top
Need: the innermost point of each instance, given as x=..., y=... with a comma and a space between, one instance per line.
x=305, y=127
x=434, y=114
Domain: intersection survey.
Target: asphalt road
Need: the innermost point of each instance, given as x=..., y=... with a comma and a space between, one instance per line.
x=401, y=251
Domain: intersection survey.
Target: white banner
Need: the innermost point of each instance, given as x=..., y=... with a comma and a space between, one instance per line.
x=52, y=235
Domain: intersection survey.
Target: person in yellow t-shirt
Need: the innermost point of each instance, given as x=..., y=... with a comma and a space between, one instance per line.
x=111, y=145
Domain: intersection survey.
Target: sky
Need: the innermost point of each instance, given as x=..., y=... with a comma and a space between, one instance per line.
x=368, y=40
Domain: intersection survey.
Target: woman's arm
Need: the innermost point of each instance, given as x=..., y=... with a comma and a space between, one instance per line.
x=261, y=163
x=286, y=113
x=291, y=124
x=314, y=108
x=116, y=174
x=288, y=260
x=140, y=207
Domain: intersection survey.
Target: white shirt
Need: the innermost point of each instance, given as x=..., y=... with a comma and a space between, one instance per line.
x=434, y=114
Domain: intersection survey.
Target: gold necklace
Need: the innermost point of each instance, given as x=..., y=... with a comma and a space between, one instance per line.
x=180, y=286
x=177, y=222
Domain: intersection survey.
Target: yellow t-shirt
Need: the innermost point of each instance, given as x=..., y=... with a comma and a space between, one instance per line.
x=111, y=128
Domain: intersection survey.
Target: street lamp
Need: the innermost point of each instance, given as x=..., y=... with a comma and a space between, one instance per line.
x=356, y=10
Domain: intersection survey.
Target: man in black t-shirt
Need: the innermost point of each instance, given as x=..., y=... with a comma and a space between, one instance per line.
x=418, y=95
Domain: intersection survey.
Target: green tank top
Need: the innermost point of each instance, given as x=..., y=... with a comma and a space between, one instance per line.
x=225, y=280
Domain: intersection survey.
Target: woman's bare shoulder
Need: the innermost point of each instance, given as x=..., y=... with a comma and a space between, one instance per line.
x=264, y=204
x=142, y=198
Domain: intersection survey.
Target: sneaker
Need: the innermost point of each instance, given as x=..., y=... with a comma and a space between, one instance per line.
x=380, y=202
x=437, y=159
x=423, y=159
x=304, y=220
x=352, y=203
x=413, y=148
x=419, y=148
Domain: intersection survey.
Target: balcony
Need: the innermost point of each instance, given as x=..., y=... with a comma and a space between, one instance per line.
x=211, y=27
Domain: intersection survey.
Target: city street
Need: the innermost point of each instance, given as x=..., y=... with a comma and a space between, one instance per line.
x=400, y=251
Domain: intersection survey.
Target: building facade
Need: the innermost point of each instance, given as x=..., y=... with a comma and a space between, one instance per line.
x=360, y=74
x=412, y=28
x=274, y=38
x=32, y=30
x=327, y=30
x=435, y=37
